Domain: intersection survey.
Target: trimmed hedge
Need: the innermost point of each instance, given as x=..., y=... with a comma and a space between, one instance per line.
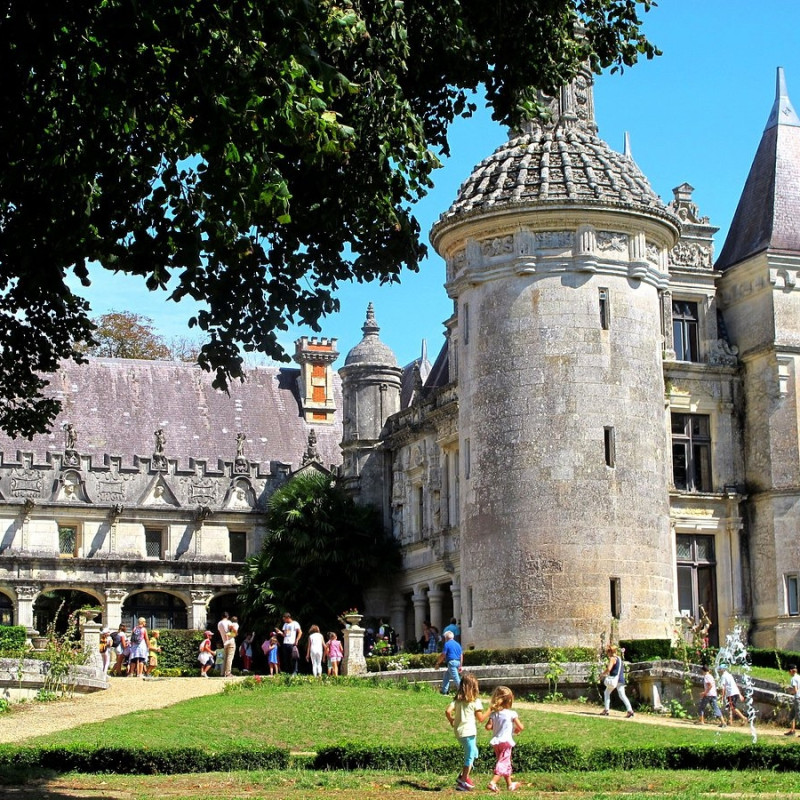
x=12, y=640
x=179, y=649
x=129, y=761
x=561, y=758
x=482, y=658
x=775, y=659
x=646, y=649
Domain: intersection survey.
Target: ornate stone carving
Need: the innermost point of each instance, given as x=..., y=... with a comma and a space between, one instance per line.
x=27, y=592
x=651, y=253
x=203, y=491
x=497, y=246
x=610, y=241
x=115, y=595
x=723, y=354
x=201, y=514
x=159, y=460
x=550, y=240
x=691, y=254
x=311, y=453
x=26, y=483
x=110, y=488
x=241, y=466
x=200, y=596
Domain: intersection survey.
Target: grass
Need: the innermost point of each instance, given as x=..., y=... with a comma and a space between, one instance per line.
x=302, y=785
x=305, y=716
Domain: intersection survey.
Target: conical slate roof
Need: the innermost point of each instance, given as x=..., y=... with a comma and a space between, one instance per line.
x=769, y=208
x=561, y=162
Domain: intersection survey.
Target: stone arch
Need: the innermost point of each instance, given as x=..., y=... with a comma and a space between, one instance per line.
x=163, y=609
x=56, y=602
x=219, y=602
x=6, y=608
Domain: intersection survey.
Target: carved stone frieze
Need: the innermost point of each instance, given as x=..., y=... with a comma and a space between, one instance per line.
x=110, y=488
x=610, y=241
x=27, y=592
x=497, y=246
x=26, y=483
x=203, y=491
x=651, y=253
x=550, y=240
x=691, y=254
x=723, y=354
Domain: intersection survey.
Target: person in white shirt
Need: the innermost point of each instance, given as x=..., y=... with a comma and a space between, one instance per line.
x=709, y=697
x=730, y=694
x=290, y=654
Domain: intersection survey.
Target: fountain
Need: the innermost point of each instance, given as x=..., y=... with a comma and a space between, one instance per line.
x=734, y=652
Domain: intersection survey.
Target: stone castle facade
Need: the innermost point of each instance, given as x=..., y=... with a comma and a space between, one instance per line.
x=608, y=439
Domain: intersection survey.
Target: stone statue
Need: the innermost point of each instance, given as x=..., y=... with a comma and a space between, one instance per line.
x=240, y=440
x=70, y=435
x=161, y=440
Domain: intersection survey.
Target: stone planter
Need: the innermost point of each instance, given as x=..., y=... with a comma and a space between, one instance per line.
x=39, y=642
x=353, y=620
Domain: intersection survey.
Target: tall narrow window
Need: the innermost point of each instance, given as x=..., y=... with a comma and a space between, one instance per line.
x=152, y=543
x=420, y=511
x=609, y=444
x=697, y=579
x=616, y=598
x=792, y=600
x=691, y=452
x=605, y=309
x=684, y=330
x=237, y=542
x=465, y=332
x=469, y=606
x=467, y=459
x=67, y=540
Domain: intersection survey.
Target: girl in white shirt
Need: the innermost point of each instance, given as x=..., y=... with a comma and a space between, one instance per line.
x=504, y=723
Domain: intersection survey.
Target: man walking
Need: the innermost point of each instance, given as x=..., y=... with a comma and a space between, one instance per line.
x=290, y=655
x=452, y=656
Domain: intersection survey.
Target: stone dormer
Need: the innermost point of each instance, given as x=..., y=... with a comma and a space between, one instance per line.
x=315, y=383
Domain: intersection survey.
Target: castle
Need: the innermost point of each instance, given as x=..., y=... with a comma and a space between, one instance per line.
x=609, y=438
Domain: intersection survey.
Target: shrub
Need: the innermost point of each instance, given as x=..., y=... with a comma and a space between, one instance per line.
x=775, y=659
x=179, y=649
x=646, y=649
x=12, y=640
x=127, y=761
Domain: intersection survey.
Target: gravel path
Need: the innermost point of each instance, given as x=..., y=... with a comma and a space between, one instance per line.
x=36, y=719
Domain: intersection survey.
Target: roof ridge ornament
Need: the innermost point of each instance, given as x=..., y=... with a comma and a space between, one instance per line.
x=783, y=112
x=572, y=106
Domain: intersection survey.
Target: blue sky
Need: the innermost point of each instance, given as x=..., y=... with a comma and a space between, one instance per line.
x=694, y=114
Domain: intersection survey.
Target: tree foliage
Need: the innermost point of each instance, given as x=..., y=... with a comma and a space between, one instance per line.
x=320, y=552
x=125, y=334
x=249, y=154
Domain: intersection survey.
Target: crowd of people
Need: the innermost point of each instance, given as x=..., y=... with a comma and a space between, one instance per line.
x=135, y=654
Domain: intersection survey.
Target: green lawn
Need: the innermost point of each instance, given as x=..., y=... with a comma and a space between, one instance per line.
x=307, y=716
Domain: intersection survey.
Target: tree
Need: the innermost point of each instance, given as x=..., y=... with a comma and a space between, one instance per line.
x=123, y=334
x=320, y=551
x=256, y=152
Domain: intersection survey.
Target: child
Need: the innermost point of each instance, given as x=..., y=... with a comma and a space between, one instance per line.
x=272, y=656
x=206, y=654
x=709, y=697
x=505, y=723
x=334, y=653
x=462, y=714
x=155, y=649
x=246, y=652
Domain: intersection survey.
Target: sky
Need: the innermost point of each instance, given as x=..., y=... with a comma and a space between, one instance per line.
x=694, y=114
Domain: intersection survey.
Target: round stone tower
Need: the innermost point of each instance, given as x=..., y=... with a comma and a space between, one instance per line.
x=556, y=250
x=370, y=394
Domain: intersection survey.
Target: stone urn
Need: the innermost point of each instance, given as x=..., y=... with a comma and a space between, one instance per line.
x=39, y=642
x=353, y=620
x=84, y=615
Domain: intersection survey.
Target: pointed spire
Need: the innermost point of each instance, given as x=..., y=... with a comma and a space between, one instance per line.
x=782, y=111
x=770, y=201
x=626, y=146
x=370, y=326
x=424, y=354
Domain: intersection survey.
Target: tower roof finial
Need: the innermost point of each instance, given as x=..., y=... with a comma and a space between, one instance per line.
x=782, y=111
x=626, y=146
x=370, y=326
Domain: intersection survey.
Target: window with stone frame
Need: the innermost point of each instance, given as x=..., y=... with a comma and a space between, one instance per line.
x=691, y=452
x=697, y=579
x=237, y=542
x=68, y=540
x=792, y=582
x=153, y=543
x=685, y=330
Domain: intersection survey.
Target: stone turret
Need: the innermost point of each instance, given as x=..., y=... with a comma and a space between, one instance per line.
x=370, y=393
x=556, y=250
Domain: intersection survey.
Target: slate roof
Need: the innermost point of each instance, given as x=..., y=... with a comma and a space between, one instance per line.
x=117, y=404
x=769, y=207
x=556, y=163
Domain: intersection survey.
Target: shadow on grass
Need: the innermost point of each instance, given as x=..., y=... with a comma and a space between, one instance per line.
x=420, y=787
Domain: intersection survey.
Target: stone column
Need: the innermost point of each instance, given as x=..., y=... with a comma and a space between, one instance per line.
x=25, y=597
x=112, y=613
x=435, y=598
x=666, y=322
x=90, y=639
x=398, y=617
x=420, y=601
x=199, y=610
x=455, y=590
x=354, y=661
